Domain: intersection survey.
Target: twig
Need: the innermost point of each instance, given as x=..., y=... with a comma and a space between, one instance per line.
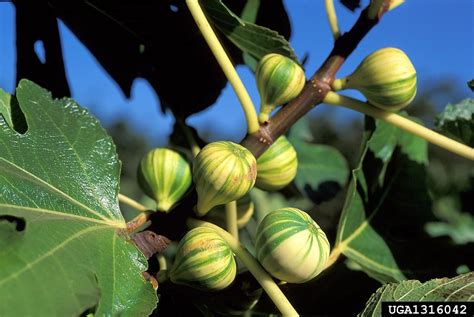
x=315, y=90
x=374, y=8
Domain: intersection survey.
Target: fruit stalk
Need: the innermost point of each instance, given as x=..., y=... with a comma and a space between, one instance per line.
x=262, y=277
x=131, y=203
x=225, y=64
x=446, y=143
x=231, y=219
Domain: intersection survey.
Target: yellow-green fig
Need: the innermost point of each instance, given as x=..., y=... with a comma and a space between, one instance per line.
x=387, y=78
x=277, y=166
x=165, y=176
x=279, y=79
x=291, y=246
x=204, y=261
x=223, y=171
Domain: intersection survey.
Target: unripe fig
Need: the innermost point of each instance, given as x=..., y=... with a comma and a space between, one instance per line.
x=277, y=166
x=291, y=246
x=222, y=171
x=279, y=79
x=203, y=261
x=165, y=176
x=387, y=78
x=245, y=208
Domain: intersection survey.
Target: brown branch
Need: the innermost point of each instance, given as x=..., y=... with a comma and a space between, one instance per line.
x=315, y=89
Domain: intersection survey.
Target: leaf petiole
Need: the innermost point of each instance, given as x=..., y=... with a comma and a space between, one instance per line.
x=332, y=18
x=225, y=64
x=429, y=135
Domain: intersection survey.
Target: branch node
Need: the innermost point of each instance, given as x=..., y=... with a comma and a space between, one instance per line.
x=265, y=135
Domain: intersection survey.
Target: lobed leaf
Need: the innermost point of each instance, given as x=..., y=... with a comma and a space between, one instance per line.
x=69, y=250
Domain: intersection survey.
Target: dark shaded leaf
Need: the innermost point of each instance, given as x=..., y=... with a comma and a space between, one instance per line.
x=457, y=121
x=456, y=224
x=251, y=38
x=35, y=21
x=351, y=4
x=11, y=112
x=250, y=11
x=322, y=170
x=158, y=41
x=387, y=207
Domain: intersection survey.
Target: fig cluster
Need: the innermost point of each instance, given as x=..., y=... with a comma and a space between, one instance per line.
x=289, y=244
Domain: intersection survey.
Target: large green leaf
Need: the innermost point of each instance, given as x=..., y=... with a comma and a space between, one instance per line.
x=60, y=180
x=459, y=288
x=387, y=196
x=457, y=121
x=249, y=37
x=322, y=170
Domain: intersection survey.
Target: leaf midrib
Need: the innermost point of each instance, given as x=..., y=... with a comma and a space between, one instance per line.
x=41, y=183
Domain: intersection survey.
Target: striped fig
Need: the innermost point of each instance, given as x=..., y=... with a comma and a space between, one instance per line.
x=279, y=79
x=203, y=261
x=277, y=166
x=222, y=171
x=387, y=78
x=165, y=176
x=291, y=246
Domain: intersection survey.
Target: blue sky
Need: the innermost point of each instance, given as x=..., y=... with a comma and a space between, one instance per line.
x=437, y=35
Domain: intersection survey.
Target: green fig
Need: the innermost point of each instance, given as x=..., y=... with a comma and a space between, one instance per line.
x=291, y=246
x=277, y=166
x=165, y=176
x=387, y=78
x=279, y=80
x=204, y=261
x=222, y=171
